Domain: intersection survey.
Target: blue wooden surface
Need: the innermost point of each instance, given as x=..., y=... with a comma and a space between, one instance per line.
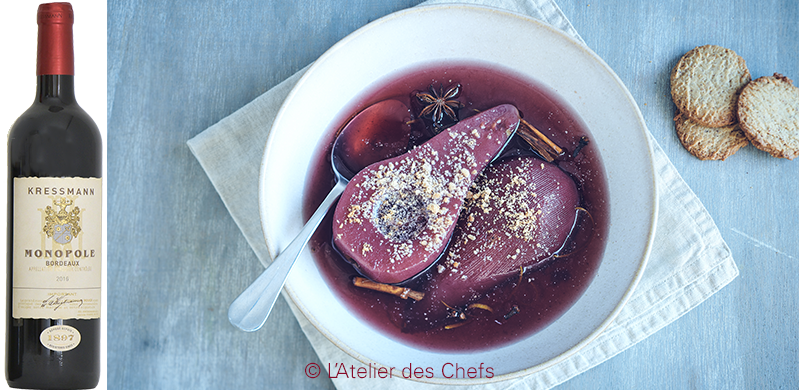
x=176, y=259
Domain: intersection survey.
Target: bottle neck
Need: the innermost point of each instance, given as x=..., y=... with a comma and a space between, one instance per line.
x=55, y=63
x=59, y=87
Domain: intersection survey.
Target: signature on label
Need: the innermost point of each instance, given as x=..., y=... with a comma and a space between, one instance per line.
x=56, y=301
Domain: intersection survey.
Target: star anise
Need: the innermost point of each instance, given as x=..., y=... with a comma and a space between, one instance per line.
x=438, y=104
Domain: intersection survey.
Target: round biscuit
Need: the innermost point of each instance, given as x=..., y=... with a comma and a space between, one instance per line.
x=768, y=111
x=709, y=143
x=705, y=84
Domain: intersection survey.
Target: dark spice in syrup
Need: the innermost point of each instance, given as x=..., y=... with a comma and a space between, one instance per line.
x=441, y=107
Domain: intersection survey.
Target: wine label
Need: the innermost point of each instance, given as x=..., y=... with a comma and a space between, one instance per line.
x=60, y=338
x=57, y=238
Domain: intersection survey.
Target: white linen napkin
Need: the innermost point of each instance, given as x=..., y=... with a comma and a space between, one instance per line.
x=688, y=263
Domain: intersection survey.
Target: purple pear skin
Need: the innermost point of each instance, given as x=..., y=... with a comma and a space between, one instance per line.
x=396, y=216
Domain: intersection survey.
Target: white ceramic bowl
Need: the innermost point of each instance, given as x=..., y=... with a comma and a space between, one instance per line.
x=527, y=46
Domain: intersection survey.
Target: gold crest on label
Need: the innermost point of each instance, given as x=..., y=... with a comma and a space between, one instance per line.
x=62, y=224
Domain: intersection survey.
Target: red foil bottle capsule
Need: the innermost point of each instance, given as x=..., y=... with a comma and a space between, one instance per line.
x=55, y=54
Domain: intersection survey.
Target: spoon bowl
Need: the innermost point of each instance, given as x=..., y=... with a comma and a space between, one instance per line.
x=378, y=132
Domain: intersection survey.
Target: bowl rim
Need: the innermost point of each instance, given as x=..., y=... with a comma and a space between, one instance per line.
x=653, y=197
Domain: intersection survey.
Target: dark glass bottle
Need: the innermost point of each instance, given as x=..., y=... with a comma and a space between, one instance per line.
x=53, y=327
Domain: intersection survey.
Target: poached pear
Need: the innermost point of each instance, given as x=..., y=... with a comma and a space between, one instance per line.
x=517, y=216
x=396, y=216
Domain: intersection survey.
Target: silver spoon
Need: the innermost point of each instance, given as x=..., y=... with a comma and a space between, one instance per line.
x=380, y=131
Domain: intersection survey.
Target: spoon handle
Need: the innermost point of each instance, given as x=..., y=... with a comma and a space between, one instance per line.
x=250, y=310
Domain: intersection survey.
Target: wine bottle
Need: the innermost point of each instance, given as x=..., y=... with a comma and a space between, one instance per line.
x=54, y=225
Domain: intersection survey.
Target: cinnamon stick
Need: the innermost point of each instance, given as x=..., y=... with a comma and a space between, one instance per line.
x=402, y=292
x=539, y=142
